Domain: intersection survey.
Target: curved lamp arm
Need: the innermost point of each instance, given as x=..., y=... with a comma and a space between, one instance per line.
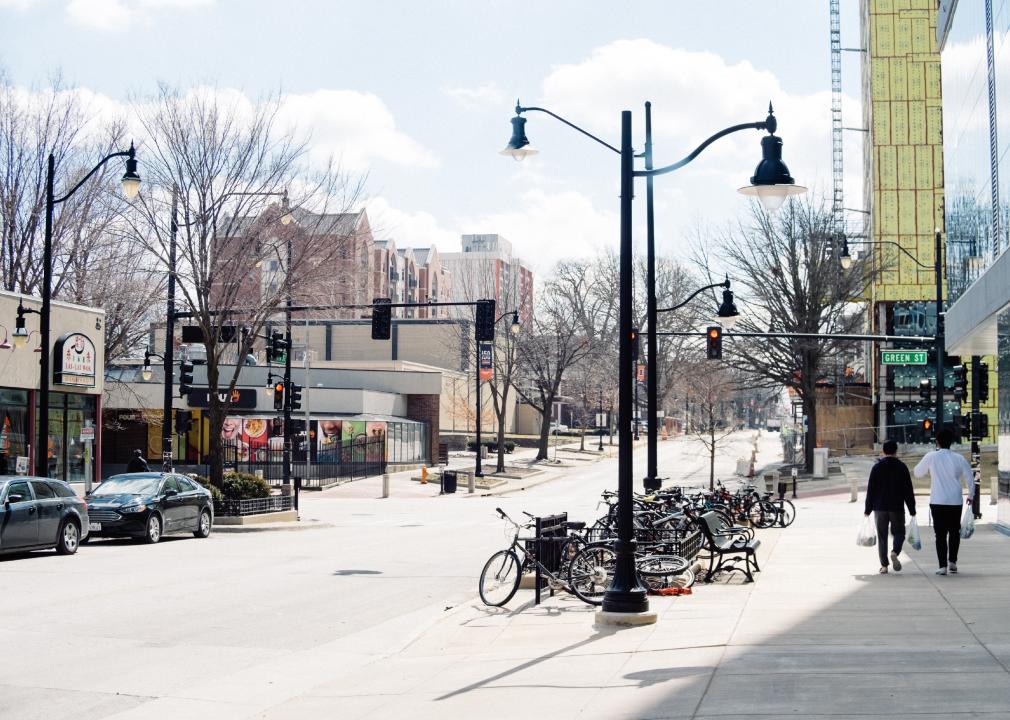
x=122, y=153
x=891, y=242
x=696, y=293
x=520, y=109
x=762, y=125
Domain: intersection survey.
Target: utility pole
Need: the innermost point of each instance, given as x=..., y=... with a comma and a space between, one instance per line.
x=940, y=350
x=287, y=376
x=169, y=354
x=977, y=370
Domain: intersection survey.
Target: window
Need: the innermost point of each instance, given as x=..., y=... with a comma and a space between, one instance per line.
x=62, y=490
x=42, y=490
x=185, y=484
x=170, y=484
x=19, y=488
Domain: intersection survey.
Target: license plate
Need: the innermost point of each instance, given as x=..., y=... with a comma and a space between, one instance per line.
x=93, y=527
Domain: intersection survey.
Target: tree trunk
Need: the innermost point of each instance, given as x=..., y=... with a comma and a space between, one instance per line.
x=711, y=453
x=545, y=435
x=810, y=436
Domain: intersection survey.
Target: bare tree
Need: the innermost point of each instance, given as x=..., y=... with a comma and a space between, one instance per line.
x=712, y=410
x=793, y=283
x=552, y=344
x=225, y=161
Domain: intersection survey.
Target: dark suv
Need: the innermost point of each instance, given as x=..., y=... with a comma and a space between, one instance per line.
x=149, y=505
x=38, y=514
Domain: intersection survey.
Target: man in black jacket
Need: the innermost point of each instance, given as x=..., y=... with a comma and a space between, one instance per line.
x=889, y=490
x=137, y=463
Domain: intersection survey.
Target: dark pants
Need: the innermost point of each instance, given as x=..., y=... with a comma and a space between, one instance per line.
x=897, y=522
x=947, y=526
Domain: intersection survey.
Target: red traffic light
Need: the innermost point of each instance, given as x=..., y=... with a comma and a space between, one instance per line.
x=713, y=337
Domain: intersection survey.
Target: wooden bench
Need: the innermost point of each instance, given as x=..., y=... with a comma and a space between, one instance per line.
x=726, y=547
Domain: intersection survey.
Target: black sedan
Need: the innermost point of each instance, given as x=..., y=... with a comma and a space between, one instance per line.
x=149, y=505
x=38, y=514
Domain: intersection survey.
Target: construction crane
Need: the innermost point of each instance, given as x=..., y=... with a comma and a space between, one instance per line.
x=837, y=165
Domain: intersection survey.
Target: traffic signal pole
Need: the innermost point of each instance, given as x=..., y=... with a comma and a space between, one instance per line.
x=169, y=354
x=976, y=452
x=287, y=378
x=939, y=339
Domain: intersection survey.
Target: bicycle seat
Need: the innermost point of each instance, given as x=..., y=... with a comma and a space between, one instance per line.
x=575, y=525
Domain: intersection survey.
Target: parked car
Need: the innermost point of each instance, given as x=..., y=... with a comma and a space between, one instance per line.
x=149, y=505
x=558, y=428
x=38, y=514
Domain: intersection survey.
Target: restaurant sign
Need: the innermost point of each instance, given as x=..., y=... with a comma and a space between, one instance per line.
x=74, y=360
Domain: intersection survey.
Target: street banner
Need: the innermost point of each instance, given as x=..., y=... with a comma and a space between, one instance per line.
x=485, y=362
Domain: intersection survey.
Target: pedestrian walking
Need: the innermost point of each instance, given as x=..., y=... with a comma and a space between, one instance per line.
x=888, y=491
x=946, y=469
x=137, y=463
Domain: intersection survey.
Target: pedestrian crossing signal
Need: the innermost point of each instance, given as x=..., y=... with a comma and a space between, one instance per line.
x=714, y=339
x=927, y=428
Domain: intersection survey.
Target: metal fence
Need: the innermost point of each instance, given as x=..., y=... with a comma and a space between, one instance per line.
x=256, y=506
x=352, y=460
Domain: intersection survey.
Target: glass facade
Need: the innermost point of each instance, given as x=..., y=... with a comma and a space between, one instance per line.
x=72, y=421
x=13, y=428
x=1003, y=421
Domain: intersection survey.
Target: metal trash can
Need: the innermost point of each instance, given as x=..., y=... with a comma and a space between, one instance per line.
x=448, y=481
x=821, y=462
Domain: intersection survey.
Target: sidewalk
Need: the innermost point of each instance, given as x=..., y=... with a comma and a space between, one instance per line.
x=819, y=635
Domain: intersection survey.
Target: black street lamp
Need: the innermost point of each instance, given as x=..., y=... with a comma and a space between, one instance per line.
x=771, y=184
x=131, y=186
x=845, y=259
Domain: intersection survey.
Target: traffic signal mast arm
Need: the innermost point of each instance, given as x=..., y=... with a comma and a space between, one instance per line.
x=827, y=336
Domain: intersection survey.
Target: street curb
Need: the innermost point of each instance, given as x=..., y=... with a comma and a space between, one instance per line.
x=298, y=526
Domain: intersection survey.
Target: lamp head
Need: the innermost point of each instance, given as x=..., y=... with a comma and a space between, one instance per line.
x=518, y=145
x=515, y=327
x=131, y=180
x=20, y=332
x=845, y=258
x=771, y=182
x=727, y=314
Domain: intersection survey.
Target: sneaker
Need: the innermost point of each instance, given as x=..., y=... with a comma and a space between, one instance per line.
x=942, y=571
x=952, y=568
x=895, y=562
x=883, y=570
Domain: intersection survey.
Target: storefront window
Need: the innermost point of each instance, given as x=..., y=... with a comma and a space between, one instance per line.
x=71, y=444
x=13, y=424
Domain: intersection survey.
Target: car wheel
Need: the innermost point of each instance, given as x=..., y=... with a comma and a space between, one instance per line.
x=69, y=538
x=153, y=532
x=203, y=526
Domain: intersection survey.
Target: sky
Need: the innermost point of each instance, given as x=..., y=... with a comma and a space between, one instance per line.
x=418, y=96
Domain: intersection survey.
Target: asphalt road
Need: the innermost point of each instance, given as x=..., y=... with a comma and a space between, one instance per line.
x=127, y=630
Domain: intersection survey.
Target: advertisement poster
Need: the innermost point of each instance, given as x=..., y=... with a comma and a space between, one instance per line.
x=376, y=441
x=355, y=440
x=486, y=370
x=249, y=436
x=330, y=435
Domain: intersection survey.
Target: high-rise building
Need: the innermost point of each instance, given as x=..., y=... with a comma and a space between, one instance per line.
x=487, y=268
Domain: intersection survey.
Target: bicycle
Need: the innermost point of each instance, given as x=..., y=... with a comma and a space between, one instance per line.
x=503, y=571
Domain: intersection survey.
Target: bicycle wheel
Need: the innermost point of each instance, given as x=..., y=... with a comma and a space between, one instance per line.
x=755, y=513
x=665, y=571
x=591, y=571
x=787, y=514
x=500, y=577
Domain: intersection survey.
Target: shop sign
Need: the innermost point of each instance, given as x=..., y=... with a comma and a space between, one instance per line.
x=485, y=362
x=74, y=358
x=241, y=398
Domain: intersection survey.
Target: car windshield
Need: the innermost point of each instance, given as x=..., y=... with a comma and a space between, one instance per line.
x=128, y=485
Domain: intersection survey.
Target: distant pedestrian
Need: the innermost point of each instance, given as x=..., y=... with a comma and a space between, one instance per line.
x=947, y=469
x=137, y=463
x=887, y=493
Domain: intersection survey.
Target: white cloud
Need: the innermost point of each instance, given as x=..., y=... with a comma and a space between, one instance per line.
x=17, y=4
x=120, y=14
x=353, y=127
x=409, y=229
x=484, y=96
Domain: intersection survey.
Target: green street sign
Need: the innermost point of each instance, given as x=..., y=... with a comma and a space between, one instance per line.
x=903, y=357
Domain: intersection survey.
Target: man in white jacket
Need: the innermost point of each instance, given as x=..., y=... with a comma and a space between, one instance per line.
x=946, y=469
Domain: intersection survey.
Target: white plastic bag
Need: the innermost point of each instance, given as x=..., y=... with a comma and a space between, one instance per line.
x=912, y=534
x=967, y=523
x=867, y=535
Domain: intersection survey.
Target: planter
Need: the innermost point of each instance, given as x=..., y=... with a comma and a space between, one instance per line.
x=256, y=506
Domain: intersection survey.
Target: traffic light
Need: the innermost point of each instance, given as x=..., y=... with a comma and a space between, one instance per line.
x=381, y=319
x=981, y=376
x=278, y=396
x=962, y=426
x=926, y=389
x=927, y=428
x=185, y=378
x=960, y=373
x=277, y=348
x=295, y=396
x=714, y=337
x=979, y=425
x=183, y=421
x=485, y=321
x=635, y=349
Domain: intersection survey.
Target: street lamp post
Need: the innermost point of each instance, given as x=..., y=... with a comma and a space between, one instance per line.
x=938, y=342
x=771, y=183
x=131, y=186
x=599, y=422
x=727, y=315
